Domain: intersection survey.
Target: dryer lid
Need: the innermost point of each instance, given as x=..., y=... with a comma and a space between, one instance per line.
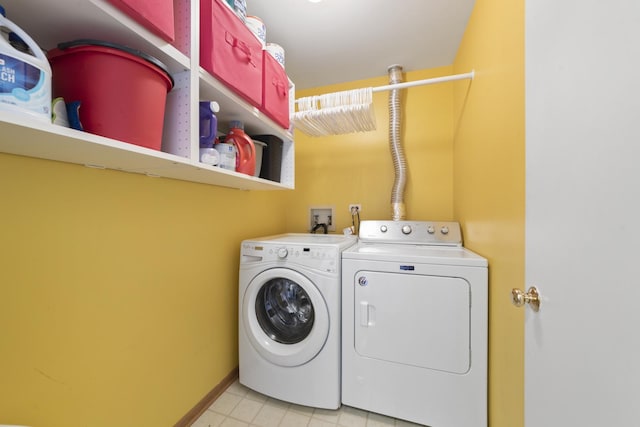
x=440, y=255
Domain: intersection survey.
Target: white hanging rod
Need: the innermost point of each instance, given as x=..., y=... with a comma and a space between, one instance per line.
x=431, y=81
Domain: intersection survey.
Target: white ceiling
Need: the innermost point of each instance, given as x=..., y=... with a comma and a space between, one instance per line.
x=337, y=41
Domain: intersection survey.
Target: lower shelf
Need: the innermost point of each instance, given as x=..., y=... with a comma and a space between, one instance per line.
x=25, y=137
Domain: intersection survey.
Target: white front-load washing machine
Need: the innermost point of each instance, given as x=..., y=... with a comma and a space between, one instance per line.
x=289, y=317
x=414, y=335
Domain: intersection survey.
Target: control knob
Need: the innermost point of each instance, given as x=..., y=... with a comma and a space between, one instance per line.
x=430, y=229
x=282, y=253
x=383, y=228
x=444, y=230
x=406, y=229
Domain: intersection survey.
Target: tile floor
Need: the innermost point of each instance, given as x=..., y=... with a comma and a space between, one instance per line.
x=239, y=406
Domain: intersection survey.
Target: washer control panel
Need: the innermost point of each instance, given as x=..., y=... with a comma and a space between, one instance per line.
x=442, y=233
x=317, y=257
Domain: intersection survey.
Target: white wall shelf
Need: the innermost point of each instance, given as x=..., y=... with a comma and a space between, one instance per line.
x=25, y=137
x=66, y=20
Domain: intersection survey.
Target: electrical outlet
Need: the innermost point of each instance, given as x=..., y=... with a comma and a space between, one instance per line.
x=355, y=205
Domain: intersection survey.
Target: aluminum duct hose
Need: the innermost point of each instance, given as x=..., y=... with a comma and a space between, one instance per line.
x=398, y=212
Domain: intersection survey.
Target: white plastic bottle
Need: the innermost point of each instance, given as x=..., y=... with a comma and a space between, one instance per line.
x=25, y=80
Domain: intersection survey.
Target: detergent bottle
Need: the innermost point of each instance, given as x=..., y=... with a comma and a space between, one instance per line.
x=245, y=150
x=208, y=123
x=227, y=154
x=208, y=131
x=25, y=74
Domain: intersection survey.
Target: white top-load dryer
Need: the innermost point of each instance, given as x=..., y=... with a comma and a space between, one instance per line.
x=414, y=324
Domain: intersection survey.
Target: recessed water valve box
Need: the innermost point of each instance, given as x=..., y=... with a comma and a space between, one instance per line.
x=321, y=217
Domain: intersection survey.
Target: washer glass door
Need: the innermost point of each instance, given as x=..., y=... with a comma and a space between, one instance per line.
x=284, y=310
x=285, y=317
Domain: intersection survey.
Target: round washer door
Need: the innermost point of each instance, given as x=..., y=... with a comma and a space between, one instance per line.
x=285, y=317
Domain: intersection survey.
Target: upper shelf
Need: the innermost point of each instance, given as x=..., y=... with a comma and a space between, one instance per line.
x=255, y=122
x=26, y=137
x=52, y=22
x=61, y=21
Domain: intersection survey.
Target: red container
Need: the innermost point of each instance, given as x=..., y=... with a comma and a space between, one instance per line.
x=156, y=15
x=275, y=91
x=230, y=51
x=122, y=92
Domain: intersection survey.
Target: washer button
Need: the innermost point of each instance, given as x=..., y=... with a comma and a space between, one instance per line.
x=282, y=253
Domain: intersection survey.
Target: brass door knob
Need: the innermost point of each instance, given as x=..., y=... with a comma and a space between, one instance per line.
x=531, y=297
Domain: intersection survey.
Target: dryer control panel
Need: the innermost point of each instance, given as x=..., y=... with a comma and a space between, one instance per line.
x=441, y=233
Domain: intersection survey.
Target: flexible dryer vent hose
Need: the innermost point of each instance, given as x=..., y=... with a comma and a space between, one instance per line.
x=398, y=212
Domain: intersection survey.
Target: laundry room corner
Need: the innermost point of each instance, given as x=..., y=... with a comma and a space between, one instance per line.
x=464, y=144
x=358, y=167
x=489, y=185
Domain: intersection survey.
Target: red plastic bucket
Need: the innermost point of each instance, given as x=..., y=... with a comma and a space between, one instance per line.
x=122, y=92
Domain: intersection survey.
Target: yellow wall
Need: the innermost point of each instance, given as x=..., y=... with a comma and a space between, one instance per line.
x=489, y=171
x=118, y=292
x=358, y=168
